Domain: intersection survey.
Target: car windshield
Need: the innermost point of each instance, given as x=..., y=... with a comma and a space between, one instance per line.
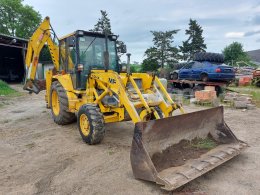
x=91, y=50
x=187, y=66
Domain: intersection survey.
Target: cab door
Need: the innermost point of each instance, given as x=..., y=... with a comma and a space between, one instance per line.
x=68, y=57
x=196, y=70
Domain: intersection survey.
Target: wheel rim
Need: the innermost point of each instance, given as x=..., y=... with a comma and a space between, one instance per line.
x=84, y=124
x=55, y=103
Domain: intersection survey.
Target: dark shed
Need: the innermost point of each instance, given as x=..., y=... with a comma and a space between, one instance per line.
x=12, y=52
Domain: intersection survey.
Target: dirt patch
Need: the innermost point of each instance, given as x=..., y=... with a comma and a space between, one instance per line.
x=43, y=185
x=178, y=154
x=35, y=156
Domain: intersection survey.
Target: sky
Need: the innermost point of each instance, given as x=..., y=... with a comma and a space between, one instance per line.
x=223, y=21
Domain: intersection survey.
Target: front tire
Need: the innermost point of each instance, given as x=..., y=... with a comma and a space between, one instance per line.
x=60, y=105
x=91, y=124
x=174, y=76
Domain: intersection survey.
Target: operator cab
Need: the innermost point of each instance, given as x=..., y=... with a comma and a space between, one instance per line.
x=83, y=51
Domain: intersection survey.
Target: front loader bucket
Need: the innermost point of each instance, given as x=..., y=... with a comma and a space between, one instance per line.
x=173, y=151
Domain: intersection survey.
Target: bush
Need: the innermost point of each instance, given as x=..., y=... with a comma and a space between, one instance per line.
x=149, y=65
x=135, y=68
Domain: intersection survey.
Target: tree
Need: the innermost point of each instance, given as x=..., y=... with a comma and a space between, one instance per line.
x=194, y=43
x=163, y=52
x=45, y=55
x=149, y=65
x=234, y=53
x=17, y=19
x=103, y=26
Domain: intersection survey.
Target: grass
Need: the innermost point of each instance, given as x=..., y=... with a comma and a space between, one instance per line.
x=251, y=90
x=206, y=143
x=5, y=90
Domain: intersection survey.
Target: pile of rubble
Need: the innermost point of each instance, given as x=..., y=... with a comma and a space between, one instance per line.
x=239, y=101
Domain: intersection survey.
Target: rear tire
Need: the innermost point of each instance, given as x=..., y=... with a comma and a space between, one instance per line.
x=59, y=105
x=91, y=124
x=204, y=77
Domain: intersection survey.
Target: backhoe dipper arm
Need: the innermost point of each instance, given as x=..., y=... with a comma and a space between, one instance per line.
x=41, y=36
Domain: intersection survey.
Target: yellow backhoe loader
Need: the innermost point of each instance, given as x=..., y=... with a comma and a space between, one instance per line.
x=88, y=85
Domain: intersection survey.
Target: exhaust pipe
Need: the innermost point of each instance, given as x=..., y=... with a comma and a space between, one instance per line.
x=128, y=63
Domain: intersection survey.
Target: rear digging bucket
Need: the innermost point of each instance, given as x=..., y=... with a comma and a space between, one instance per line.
x=173, y=151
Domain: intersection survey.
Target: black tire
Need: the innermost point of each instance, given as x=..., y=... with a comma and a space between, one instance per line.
x=204, y=77
x=219, y=90
x=211, y=57
x=96, y=124
x=63, y=117
x=174, y=76
x=257, y=84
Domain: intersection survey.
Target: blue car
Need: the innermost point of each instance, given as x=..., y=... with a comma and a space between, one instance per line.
x=205, y=71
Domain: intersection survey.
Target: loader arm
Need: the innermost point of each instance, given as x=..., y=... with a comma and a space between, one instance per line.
x=103, y=79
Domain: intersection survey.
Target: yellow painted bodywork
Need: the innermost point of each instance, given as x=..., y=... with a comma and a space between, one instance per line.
x=84, y=124
x=137, y=94
x=55, y=103
x=101, y=80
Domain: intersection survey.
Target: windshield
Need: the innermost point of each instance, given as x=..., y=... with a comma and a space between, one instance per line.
x=91, y=53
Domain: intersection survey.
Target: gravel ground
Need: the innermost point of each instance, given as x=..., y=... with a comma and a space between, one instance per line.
x=39, y=157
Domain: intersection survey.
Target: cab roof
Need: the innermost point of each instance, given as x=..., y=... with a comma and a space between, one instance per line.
x=88, y=33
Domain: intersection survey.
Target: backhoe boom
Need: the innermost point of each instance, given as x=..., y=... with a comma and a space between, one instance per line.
x=41, y=36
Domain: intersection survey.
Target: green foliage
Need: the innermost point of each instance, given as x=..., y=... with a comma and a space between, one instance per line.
x=135, y=68
x=5, y=89
x=194, y=43
x=149, y=65
x=163, y=52
x=234, y=53
x=118, y=45
x=45, y=55
x=17, y=19
x=104, y=26
x=206, y=143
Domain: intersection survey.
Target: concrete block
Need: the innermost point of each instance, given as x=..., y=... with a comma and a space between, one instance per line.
x=240, y=104
x=210, y=88
x=250, y=106
x=205, y=95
